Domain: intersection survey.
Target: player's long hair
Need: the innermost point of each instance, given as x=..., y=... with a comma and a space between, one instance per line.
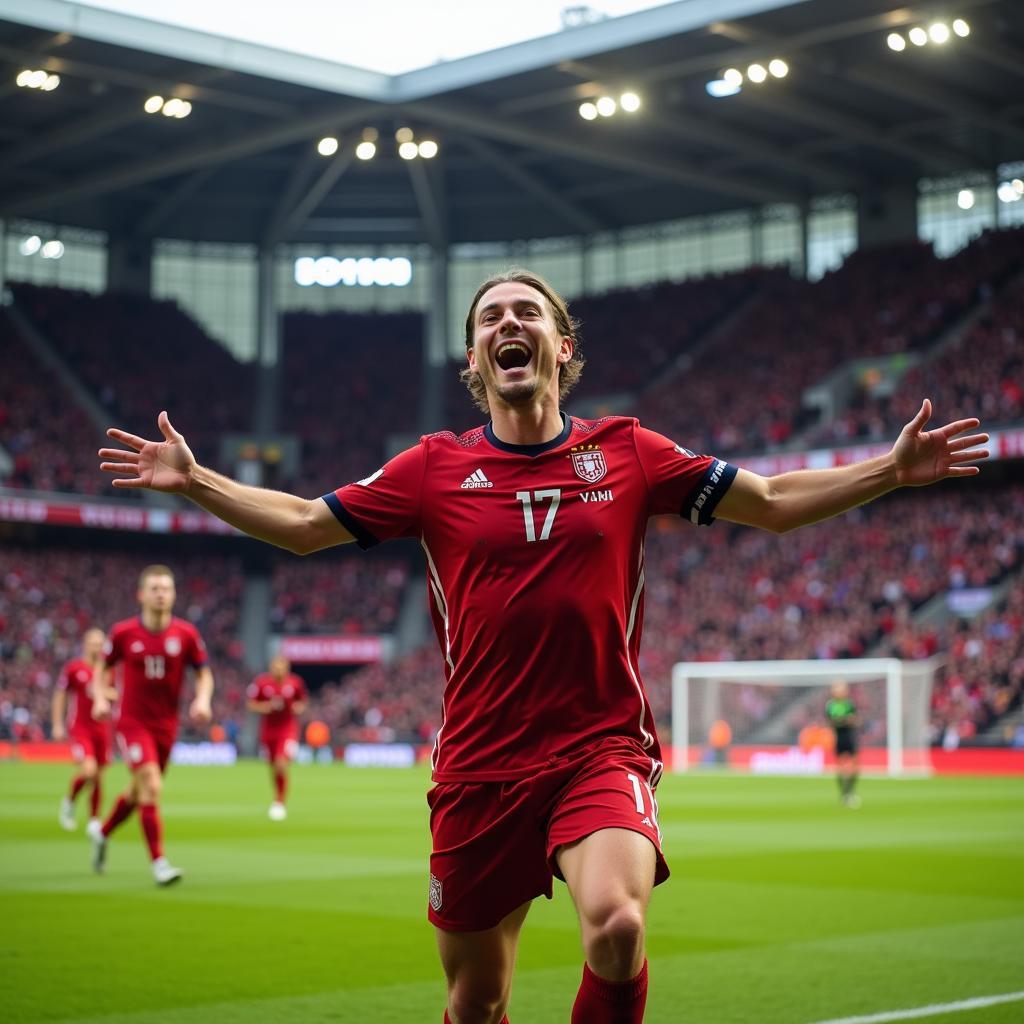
x=568, y=373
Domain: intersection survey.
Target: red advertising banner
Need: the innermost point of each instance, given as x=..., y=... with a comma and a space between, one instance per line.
x=332, y=650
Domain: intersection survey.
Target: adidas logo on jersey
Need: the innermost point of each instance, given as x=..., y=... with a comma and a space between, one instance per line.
x=476, y=479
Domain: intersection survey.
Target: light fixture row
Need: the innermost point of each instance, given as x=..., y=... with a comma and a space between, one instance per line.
x=51, y=250
x=366, y=148
x=938, y=32
x=731, y=80
x=1011, y=191
x=172, y=107
x=608, y=106
x=36, y=78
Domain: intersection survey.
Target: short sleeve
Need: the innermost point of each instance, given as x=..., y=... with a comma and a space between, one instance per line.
x=385, y=504
x=681, y=482
x=199, y=656
x=253, y=691
x=112, y=652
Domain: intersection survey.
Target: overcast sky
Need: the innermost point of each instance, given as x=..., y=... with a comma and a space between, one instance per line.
x=383, y=35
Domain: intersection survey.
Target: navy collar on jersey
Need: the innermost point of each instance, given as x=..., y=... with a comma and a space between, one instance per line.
x=530, y=449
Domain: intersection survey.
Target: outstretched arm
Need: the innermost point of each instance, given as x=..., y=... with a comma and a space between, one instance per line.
x=919, y=457
x=291, y=522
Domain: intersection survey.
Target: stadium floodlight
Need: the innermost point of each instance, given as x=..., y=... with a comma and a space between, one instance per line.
x=1007, y=193
x=606, y=106
x=588, y=111
x=408, y=150
x=756, y=73
x=366, y=150
x=961, y=28
x=938, y=32
x=1018, y=186
x=23, y=78
x=630, y=102
x=185, y=109
x=51, y=83
x=427, y=149
x=720, y=88
x=778, y=68
x=52, y=250
x=733, y=76
x=153, y=105
x=327, y=146
x=918, y=36
x=171, y=108
x=404, y=135
x=896, y=42
x=37, y=80
x=965, y=198
x=30, y=246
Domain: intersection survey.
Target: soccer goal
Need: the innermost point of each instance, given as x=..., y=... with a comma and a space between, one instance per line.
x=769, y=716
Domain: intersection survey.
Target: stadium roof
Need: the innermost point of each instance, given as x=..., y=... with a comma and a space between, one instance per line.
x=516, y=159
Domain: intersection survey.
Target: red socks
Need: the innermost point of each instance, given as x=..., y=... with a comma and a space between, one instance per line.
x=280, y=784
x=152, y=829
x=94, y=798
x=76, y=786
x=121, y=812
x=610, y=1002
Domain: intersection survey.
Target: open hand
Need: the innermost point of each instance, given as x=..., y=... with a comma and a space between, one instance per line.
x=927, y=456
x=165, y=465
x=199, y=711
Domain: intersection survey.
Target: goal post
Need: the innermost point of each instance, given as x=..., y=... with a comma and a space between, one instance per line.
x=768, y=716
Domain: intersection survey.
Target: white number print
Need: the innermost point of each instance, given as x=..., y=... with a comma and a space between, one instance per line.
x=552, y=494
x=154, y=666
x=648, y=817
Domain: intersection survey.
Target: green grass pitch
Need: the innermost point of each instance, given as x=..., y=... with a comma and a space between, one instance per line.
x=783, y=907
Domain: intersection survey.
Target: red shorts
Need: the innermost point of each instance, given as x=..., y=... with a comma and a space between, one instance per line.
x=140, y=745
x=280, y=743
x=495, y=843
x=91, y=742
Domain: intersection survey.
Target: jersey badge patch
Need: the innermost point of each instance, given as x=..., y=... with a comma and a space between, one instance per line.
x=138, y=647
x=588, y=463
x=476, y=480
x=172, y=645
x=435, y=893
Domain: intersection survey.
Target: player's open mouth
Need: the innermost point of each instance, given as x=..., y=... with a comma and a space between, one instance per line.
x=512, y=355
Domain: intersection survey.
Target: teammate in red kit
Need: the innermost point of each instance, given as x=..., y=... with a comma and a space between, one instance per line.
x=280, y=697
x=532, y=526
x=153, y=650
x=90, y=740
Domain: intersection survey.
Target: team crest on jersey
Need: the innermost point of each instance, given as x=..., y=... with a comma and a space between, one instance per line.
x=588, y=463
x=138, y=647
x=435, y=893
x=172, y=645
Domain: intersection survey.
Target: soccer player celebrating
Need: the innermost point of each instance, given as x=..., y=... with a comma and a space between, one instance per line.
x=90, y=740
x=280, y=697
x=153, y=650
x=842, y=715
x=533, y=525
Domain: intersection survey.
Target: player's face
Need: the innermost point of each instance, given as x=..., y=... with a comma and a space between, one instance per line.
x=92, y=644
x=516, y=345
x=157, y=594
x=279, y=666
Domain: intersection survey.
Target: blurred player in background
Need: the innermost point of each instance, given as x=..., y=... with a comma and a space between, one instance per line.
x=90, y=739
x=279, y=697
x=153, y=650
x=533, y=526
x=842, y=716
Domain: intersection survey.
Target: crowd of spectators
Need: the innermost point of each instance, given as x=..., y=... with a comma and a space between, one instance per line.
x=981, y=374
x=340, y=593
x=51, y=443
x=744, y=393
x=138, y=355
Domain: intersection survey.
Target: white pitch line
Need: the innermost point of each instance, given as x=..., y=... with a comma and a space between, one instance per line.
x=928, y=1011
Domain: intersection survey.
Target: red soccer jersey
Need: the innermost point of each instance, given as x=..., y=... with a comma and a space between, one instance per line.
x=153, y=669
x=290, y=691
x=535, y=578
x=74, y=679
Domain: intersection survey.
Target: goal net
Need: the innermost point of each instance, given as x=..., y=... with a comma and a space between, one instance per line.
x=769, y=716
